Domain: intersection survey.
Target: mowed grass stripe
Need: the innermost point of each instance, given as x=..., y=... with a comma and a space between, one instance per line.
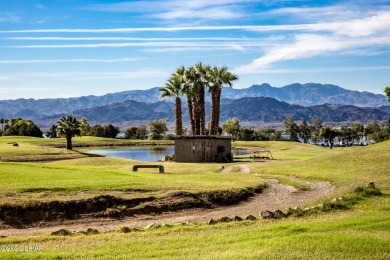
x=18, y=177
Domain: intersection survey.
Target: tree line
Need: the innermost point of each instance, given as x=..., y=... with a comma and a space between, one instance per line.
x=313, y=133
x=19, y=127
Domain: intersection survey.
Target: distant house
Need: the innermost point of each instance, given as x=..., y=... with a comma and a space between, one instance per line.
x=203, y=148
x=285, y=136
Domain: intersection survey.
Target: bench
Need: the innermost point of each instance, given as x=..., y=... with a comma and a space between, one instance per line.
x=160, y=167
x=258, y=155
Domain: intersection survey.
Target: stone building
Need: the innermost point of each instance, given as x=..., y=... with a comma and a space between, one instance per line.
x=203, y=148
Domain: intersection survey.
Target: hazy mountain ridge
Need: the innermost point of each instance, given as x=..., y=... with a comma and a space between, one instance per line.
x=309, y=94
x=54, y=106
x=250, y=111
x=264, y=109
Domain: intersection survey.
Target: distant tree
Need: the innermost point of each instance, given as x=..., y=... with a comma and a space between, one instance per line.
x=52, y=133
x=357, y=131
x=371, y=128
x=68, y=126
x=84, y=126
x=328, y=134
x=174, y=88
x=131, y=133
x=2, y=122
x=263, y=133
x=21, y=127
x=387, y=91
x=111, y=131
x=315, y=129
x=383, y=134
x=275, y=135
x=97, y=130
x=304, y=131
x=142, y=132
x=158, y=128
x=291, y=128
x=245, y=134
x=346, y=134
x=231, y=126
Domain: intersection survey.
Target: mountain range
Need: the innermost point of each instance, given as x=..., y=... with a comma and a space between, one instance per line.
x=258, y=103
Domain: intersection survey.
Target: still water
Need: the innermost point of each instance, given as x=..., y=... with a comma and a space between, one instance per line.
x=146, y=154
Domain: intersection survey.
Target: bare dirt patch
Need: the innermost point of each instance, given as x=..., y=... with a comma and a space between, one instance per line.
x=277, y=196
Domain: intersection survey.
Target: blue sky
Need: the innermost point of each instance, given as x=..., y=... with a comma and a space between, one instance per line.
x=68, y=48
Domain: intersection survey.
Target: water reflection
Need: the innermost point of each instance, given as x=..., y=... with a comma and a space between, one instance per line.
x=146, y=154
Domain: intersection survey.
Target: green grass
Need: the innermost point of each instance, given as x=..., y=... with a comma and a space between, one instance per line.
x=359, y=232
x=345, y=167
x=356, y=234
x=21, y=178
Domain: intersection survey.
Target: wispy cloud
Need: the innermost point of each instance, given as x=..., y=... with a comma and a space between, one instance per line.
x=69, y=60
x=161, y=29
x=5, y=78
x=346, y=36
x=175, y=9
x=9, y=17
x=240, y=44
x=320, y=69
x=81, y=76
x=380, y=21
x=129, y=39
x=40, y=6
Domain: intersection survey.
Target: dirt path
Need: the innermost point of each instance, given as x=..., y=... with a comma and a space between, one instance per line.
x=277, y=196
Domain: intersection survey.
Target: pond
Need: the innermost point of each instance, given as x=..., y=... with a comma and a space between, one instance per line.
x=146, y=154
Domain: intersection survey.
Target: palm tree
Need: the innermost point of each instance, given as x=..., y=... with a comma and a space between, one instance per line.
x=69, y=126
x=182, y=73
x=196, y=86
x=2, y=122
x=217, y=77
x=174, y=88
x=2, y=125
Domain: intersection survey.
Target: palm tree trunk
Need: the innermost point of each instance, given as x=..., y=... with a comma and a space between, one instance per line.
x=216, y=102
x=178, y=116
x=191, y=113
x=69, y=142
x=202, y=111
x=196, y=110
x=214, y=110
